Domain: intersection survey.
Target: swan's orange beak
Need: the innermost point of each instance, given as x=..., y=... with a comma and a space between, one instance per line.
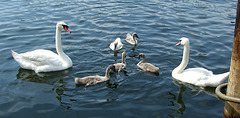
x=66, y=28
x=179, y=43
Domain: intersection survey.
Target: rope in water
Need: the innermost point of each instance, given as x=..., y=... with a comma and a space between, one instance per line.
x=223, y=96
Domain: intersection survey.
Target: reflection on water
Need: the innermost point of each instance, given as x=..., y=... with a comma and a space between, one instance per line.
x=112, y=85
x=207, y=90
x=154, y=74
x=48, y=78
x=150, y=73
x=116, y=53
x=178, y=100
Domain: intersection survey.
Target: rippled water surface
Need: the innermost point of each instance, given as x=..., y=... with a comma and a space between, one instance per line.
x=30, y=24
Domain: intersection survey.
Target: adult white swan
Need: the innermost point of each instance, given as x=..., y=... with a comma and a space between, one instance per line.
x=45, y=60
x=196, y=76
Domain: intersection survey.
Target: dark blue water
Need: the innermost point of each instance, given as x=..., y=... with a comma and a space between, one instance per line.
x=30, y=24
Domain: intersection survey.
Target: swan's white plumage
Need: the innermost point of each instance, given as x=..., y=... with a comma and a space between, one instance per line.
x=196, y=76
x=45, y=60
x=201, y=77
x=116, y=45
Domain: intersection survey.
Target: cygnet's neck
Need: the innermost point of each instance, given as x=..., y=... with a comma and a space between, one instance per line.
x=143, y=59
x=185, y=59
x=107, y=74
x=123, y=59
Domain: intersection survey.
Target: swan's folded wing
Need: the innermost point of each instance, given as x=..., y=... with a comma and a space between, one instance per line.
x=120, y=46
x=40, y=57
x=199, y=71
x=111, y=46
x=195, y=76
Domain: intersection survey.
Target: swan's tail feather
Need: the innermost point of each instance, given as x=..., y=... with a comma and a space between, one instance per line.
x=14, y=54
x=220, y=78
x=223, y=76
x=25, y=62
x=17, y=57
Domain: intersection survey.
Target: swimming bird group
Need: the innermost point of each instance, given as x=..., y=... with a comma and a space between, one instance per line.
x=42, y=60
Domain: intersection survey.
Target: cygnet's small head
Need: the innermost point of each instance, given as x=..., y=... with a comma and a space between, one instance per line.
x=124, y=54
x=141, y=55
x=76, y=80
x=183, y=41
x=111, y=68
x=62, y=25
x=135, y=35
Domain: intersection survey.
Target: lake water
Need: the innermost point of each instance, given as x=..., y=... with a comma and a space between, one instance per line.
x=30, y=24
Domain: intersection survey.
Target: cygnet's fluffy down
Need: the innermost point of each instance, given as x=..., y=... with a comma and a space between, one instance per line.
x=92, y=80
x=146, y=66
x=132, y=39
x=121, y=66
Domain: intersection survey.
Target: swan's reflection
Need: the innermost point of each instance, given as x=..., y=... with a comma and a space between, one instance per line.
x=48, y=78
x=207, y=90
x=154, y=74
x=179, y=99
x=116, y=53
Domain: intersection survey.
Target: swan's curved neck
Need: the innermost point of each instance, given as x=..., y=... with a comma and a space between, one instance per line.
x=60, y=52
x=107, y=74
x=134, y=39
x=185, y=60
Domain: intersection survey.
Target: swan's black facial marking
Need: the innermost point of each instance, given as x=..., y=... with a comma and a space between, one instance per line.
x=180, y=40
x=179, y=43
x=65, y=26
